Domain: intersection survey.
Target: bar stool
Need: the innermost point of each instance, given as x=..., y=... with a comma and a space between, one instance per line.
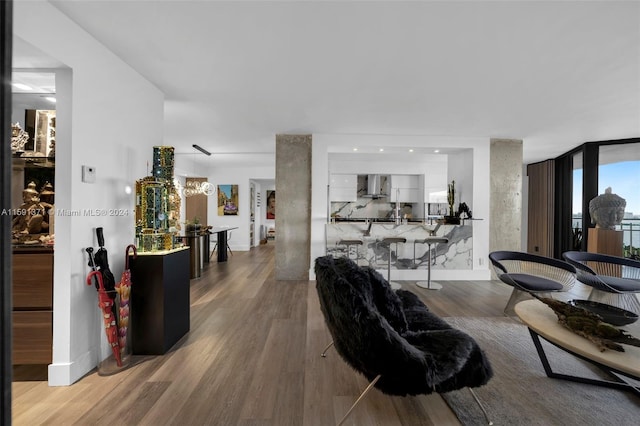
x=388, y=241
x=428, y=285
x=348, y=244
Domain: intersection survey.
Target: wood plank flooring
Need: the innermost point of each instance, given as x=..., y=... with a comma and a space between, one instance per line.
x=251, y=358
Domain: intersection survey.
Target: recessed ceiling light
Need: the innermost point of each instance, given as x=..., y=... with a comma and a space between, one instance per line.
x=436, y=151
x=22, y=86
x=51, y=99
x=381, y=149
x=410, y=149
x=355, y=149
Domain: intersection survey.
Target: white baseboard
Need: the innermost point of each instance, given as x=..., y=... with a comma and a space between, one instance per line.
x=67, y=373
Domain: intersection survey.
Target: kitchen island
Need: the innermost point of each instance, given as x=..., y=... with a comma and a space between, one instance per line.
x=409, y=262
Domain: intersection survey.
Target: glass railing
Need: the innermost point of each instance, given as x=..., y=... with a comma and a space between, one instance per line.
x=630, y=239
x=631, y=228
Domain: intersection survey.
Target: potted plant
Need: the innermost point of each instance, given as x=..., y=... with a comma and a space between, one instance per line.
x=193, y=227
x=452, y=218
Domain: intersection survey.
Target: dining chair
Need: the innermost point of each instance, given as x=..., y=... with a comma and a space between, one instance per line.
x=215, y=247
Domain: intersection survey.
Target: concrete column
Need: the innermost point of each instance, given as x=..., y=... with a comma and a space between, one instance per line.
x=293, y=206
x=506, y=195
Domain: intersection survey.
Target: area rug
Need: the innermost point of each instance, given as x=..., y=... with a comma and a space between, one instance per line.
x=521, y=394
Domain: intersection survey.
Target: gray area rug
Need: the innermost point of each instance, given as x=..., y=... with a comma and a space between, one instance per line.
x=520, y=393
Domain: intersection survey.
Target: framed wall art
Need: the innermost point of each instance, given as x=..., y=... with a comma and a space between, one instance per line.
x=227, y=200
x=271, y=204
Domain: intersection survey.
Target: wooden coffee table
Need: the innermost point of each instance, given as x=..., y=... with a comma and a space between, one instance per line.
x=543, y=322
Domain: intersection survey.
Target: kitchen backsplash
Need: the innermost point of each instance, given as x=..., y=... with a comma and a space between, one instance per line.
x=367, y=207
x=371, y=208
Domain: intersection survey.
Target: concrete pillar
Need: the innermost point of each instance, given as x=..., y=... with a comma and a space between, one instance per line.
x=293, y=206
x=506, y=195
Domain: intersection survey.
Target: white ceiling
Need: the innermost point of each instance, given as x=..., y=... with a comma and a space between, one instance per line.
x=555, y=74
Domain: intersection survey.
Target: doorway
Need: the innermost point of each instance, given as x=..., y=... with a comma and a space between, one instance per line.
x=5, y=221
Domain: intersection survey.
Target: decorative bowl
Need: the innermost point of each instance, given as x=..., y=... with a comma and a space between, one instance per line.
x=610, y=314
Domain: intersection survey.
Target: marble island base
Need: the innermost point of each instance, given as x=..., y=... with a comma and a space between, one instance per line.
x=408, y=260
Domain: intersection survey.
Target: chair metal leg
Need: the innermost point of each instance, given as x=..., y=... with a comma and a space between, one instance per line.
x=362, y=395
x=324, y=352
x=375, y=380
x=215, y=247
x=486, y=416
x=516, y=297
x=628, y=301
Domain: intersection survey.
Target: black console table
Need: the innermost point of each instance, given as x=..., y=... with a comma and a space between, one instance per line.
x=160, y=305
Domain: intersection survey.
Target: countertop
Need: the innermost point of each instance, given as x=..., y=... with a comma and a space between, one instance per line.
x=373, y=219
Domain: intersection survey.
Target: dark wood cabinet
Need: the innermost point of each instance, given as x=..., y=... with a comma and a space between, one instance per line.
x=160, y=300
x=32, y=306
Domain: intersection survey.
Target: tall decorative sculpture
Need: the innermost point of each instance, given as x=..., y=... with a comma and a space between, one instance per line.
x=607, y=210
x=157, y=204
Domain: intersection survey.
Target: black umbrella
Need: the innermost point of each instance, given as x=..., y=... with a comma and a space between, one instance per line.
x=101, y=263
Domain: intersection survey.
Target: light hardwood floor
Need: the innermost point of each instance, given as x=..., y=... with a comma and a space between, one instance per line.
x=252, y=357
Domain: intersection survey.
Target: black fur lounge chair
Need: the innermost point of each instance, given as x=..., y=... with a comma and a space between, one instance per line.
x=391, y=337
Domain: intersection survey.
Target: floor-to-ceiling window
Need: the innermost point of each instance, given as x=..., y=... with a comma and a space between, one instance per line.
x=619, y=169
x=586, y=172
x=576, y=205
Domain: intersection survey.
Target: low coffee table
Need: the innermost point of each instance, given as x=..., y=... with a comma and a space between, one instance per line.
x=543, y=322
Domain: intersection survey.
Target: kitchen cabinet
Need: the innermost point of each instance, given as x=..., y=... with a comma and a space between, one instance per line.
x=343, y=187
x=404, y=189
x=435, y=183
x=404, y=195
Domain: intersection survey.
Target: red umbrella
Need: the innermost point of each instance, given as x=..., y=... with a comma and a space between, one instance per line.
x=106, y=305
x=124, y=290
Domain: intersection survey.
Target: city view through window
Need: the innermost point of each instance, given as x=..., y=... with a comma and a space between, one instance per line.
x=624, y=179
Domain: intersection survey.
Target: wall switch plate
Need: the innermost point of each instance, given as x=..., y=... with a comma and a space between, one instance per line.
x=88, y=174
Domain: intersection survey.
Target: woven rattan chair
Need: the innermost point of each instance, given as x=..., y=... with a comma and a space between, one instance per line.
x=614, y=280
x=531, y=273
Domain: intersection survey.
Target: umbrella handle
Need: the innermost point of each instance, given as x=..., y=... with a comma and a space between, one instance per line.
x=126, y=255
x=92, y=263
x=99, y=275
x=100, y=235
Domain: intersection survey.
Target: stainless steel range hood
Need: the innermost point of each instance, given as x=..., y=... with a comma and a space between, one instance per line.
x=376, y=186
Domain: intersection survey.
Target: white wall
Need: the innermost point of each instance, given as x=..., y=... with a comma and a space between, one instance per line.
x=243, y=177
x=325, y=144
x=460, y=170
x=108, y=117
